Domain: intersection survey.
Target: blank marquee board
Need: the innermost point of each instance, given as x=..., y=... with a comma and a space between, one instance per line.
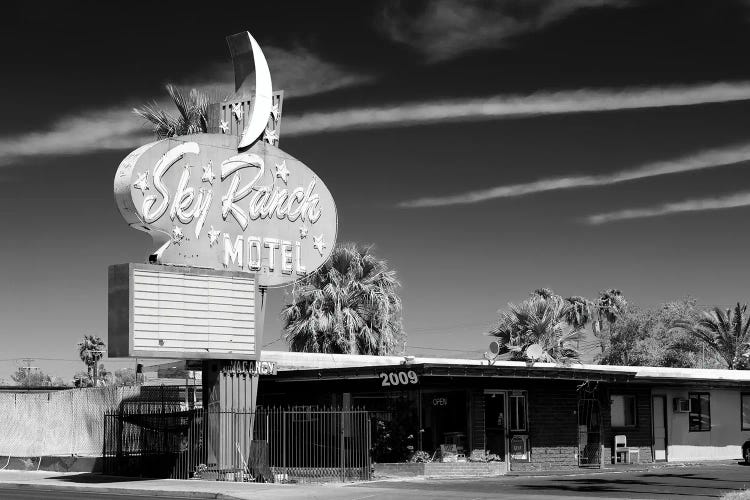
x=174, y=312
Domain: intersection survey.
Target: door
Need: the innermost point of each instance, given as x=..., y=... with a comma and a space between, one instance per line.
x=589, y=433
x=660, y=428
x=495, y=423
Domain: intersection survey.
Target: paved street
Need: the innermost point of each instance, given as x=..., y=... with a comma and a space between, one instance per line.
x=26, y=494
x=695, y=482
x=673, y=482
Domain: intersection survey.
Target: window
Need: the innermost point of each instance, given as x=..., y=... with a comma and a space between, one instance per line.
x=745, y=402
x=517, y=412
x=700, y=412
x=623, y=411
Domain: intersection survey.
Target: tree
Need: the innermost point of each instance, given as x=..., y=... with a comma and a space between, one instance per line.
x=545, y=293
x=91, y=350
x=31, y=377
x=725, y=332
x=540, y=320
x=348, y=305
x=124, y=376
x=579, y=312
x=192, y=118
x=650, y=337
x=82, y=379
x=611, y=305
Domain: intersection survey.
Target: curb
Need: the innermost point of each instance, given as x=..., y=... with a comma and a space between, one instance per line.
x=146, y=493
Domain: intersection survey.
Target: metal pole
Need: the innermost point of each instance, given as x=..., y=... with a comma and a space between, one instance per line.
x=341, y=442
x=283, y=444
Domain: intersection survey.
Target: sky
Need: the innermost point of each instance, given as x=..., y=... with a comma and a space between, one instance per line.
x=484, y=148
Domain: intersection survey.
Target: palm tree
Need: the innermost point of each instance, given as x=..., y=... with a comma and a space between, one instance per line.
x=541, y=321
x=348, y=305
x=726, y=332
x=91, y=350
x=193, y=117
x=545, y=293
x=579, y=314
x=611, y=305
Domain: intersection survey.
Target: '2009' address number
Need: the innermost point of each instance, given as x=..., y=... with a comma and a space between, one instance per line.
x=398, y=378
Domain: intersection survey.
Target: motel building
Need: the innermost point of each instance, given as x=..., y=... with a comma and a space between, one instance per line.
x=533, y=416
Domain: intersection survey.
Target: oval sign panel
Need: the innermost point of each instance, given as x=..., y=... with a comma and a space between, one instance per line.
x=207, y=205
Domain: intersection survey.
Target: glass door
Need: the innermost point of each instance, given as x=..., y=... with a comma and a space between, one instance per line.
x=495, y=424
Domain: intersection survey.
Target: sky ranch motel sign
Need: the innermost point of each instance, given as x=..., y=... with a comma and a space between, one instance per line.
x=207, y=205
x=218, y=201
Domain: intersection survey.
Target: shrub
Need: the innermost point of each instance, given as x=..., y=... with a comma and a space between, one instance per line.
x=483, y=456
x=420, y=457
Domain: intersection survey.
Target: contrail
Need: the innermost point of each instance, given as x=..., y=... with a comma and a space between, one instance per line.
x=511, y=106
x=117, y=128
x=710, y=158
x=694, y=205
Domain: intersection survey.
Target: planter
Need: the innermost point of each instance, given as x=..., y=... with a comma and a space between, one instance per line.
x=440, y=469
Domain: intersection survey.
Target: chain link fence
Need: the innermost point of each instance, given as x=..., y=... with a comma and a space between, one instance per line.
x=71, y=422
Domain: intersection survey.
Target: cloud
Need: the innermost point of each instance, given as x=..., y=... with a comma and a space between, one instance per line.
x=92, y=131
x=299, y=72
x=710, y=158
x=694, y=205
x=118, y=128
x=444, y=29
x=512, y=106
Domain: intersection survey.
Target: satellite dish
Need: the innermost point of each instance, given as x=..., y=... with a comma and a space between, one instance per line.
x=534, y=352
x=495, y=347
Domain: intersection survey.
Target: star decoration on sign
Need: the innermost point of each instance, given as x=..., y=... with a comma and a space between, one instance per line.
x=237, y=111
x=177, y=235
x=224, y=126
x=270, y=136
x=213, y=236
x=281, y=171
x=275, y=112
x=303, y=232
x=319, y=244
x=142, y=182
x=208, y=173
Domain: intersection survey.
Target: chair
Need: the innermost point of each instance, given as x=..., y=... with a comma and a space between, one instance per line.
x=623, y=454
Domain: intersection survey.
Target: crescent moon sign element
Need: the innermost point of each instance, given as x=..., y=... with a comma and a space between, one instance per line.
x=263, y=96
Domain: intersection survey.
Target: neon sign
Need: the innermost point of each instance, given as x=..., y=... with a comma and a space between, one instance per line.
x=219, y=201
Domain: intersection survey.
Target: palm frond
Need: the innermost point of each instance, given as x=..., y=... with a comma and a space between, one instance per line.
x=192, y=115
x=350, y=304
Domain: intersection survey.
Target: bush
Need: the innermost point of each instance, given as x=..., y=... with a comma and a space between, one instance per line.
x=736, y=495
x=483, y=456
x=420, y=457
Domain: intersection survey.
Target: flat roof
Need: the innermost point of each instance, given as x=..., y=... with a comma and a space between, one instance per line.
x=304, y=362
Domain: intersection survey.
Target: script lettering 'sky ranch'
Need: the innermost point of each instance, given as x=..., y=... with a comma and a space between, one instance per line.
x=208, y=205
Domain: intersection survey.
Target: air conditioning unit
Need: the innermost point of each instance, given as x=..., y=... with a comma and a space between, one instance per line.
x=681, y=405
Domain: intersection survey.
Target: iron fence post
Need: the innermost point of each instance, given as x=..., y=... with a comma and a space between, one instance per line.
x=341, y=443
x=283, y=444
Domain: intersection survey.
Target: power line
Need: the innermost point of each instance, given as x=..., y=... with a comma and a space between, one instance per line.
x=408, y=346
x=272, y=342
x=485, y=324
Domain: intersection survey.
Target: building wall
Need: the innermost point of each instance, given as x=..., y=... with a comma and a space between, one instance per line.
x=722, y=442
x=553, y=426
x=641, y=435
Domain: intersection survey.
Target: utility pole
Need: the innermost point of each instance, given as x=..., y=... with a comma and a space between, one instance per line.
x=28, y=366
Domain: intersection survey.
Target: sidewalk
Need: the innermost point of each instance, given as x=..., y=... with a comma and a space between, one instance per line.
x=610, y=468
x=44, y=481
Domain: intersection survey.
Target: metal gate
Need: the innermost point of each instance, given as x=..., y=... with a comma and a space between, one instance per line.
x=272, y=445
x=589, y=433
x=311, y=444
